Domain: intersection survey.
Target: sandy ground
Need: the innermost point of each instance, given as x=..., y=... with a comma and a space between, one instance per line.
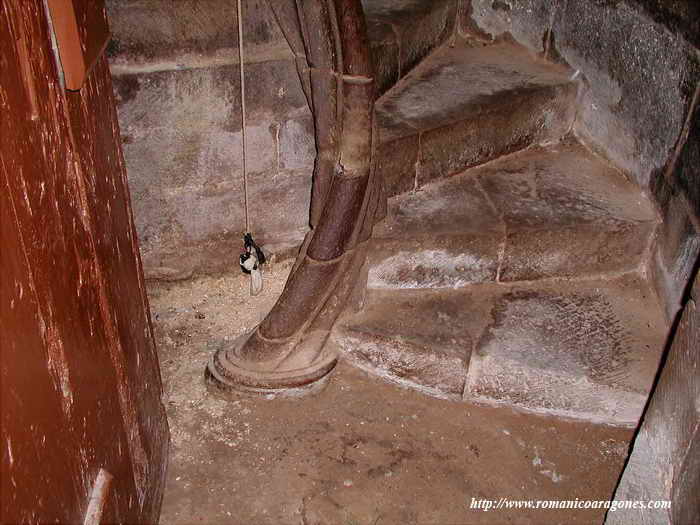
x=362, y=452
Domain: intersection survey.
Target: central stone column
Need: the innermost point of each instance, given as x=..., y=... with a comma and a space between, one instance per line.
x=287, y=353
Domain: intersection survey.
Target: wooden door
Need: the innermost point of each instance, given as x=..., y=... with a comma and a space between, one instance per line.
x=79, y=379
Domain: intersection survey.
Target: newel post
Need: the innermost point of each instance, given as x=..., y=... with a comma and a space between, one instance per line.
x=287, y=353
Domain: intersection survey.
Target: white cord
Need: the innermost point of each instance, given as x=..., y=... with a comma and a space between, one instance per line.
x=243, y=113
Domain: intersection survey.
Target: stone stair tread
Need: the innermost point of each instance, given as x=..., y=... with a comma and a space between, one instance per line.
x=554, y=211
x=402, y=33
x=459, y=82
x=561, y=184
x=449, y=206
x=416, y=339
x=583, y=350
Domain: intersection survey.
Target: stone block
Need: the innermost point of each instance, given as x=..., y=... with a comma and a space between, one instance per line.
x=566, y=214
x=418, y=339
x=515, y=123
x=639, y=80
x=195, y=231
x=385, y=54
x=663, y=464
x=396, y=164
x=181, y=134
x=471, y=105
x=297, y=147
x=456, y=205
x=675, y=254
x=422, y=31
x=525, y=21
x=404, y=33
x=157, y=31
x=433, y=262
x=579, y=350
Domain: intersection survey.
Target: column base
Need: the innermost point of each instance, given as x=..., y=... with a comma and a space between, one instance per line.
x=227, y=374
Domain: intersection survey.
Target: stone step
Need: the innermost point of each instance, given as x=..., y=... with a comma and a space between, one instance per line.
x=545, y=212
x=404, y=32
x=464, y=105
x=582, y=350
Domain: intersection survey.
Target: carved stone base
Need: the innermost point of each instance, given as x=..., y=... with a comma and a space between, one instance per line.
x=227, y=373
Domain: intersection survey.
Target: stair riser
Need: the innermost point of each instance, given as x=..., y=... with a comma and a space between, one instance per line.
x=407, y=364
x=438, y=262
x=577, y=252
x=559, y=395
x=460, y=260
x=534, y=117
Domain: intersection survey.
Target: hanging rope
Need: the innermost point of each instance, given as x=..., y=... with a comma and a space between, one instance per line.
x=241, y=56
x=253, y=257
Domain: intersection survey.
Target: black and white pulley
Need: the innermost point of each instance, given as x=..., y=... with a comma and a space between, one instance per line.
x=251, y=261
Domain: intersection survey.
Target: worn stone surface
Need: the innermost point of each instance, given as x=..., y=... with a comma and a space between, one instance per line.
x=396, y=164
x=384, y=43
x=674, y=254
x=640, y=72
x=458, y=82
x=663, y=464
x=639, y=76
x=638, y=62
x=585, y=350
x=421, y=32
x=678, y=16
x=446, y=235
x=686, y=172
x=454, y=205
x=417, y=339
x=470, y=105
x=555, y=211
x=566, y=213
x=434, y=261
x=516, y=123
x=296, y=144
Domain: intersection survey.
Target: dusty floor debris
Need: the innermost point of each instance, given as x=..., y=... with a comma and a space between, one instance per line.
x=361, y=452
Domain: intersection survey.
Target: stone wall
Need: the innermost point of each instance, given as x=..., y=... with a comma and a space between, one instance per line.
x=665, y=459
x=176, y=76
x=641, y=71
x=175, y=67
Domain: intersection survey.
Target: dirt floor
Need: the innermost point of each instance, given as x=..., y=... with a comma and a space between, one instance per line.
x=362, y=452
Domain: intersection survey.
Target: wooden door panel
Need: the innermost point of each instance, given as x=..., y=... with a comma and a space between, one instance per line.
x=93, y=114
x=80, y=382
